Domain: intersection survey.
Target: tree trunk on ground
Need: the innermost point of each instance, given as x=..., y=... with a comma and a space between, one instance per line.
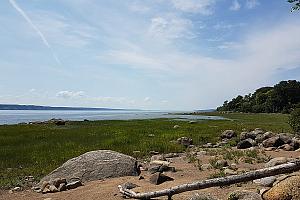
x=249, y=176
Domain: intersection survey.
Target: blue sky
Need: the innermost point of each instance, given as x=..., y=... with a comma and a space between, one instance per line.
x=148, y=54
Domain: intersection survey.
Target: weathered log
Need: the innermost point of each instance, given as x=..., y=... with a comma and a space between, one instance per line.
x=249, y=176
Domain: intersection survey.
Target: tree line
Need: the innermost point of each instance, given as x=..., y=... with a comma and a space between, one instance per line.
x=282, y=97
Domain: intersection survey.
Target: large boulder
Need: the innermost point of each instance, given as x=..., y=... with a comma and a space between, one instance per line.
x=95, y=165
x=273, y=142
x=288, y=189
x=228, y=134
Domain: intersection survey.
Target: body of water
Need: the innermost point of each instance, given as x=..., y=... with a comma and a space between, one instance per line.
x=21, y=116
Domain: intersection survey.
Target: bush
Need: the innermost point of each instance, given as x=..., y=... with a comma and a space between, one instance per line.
x=294, y=120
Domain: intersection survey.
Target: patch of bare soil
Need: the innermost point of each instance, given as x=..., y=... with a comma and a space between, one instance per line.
x=186, y=173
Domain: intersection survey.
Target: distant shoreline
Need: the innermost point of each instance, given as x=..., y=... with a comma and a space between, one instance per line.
x=36, y=107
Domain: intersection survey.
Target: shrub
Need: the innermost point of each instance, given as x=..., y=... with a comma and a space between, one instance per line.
x=294, y=120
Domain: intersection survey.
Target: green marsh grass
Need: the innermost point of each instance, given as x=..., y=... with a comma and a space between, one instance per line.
x=38, y=149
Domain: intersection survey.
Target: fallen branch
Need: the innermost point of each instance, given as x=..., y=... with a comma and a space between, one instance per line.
x=249, y=176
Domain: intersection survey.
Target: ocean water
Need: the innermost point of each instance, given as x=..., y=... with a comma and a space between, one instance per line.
x=21, y=116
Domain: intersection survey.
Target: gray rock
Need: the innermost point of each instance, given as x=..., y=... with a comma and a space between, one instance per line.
x=273, y=142
x=244, y=195
x=95, y=165
x=266, y=182
x=206, y=167
x=222, y=163
x=53, y=189
x=158, y=157
x=176, y=126
x=230, y=172
x=245, y=144
x=159, y=178
x=276, y=161
x=129, y=185
x=62, y=187
x=247, y=135
x=286, y=147
x=73, y=185
x=16, y=189
x=171, y=155
x=185, y=141
x=228, y=134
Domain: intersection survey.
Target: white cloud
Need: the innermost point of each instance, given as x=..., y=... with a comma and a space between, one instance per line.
x=171, y=27
x=250, y=4
x=235, y=6
x=204, y=7
x=70, y=94
x=147, y=99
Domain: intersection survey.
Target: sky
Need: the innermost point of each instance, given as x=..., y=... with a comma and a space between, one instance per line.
x=145, y=54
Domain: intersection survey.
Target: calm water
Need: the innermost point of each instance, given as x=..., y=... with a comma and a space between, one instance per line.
x=18, y=116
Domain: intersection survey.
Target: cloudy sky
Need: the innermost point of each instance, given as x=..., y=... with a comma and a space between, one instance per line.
x=148, y=54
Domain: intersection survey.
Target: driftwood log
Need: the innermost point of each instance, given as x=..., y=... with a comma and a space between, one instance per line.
x=249, y=176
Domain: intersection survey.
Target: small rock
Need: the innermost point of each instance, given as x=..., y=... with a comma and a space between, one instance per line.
x=244, y=195
x=10, y=192
x=206, y=167
x=62, y=187
x=129, y=185
x=158, y=157
x=222, y=163
x=273, y=142
x=57, y=181
x=245, y=144
x=159, y=162
x=171, y=155
x=185, y=141
x=159, y=178
x=207, y=145
x=276, y=161
x=233, y=166
x=247, y=135
x=286, y=147
x=229, y=172
x=266, y=182
x=16, y=189
x=228, y=134
x=73, y=185
x=52, y=188
x=192, y=122
x=46, y=190
x=270, y=149
x=176, y=126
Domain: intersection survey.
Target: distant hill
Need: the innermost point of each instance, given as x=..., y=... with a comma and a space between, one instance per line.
x=34, y=107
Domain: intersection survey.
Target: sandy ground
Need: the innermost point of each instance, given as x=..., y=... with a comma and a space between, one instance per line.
x=186, y=173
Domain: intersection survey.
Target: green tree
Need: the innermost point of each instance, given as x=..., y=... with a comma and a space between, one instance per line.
x=296, y=4
x=294, y=120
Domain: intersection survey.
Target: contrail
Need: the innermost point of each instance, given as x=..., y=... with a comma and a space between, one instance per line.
x=25, y=16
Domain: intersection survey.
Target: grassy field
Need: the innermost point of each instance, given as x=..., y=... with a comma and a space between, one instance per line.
x=38, y=149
